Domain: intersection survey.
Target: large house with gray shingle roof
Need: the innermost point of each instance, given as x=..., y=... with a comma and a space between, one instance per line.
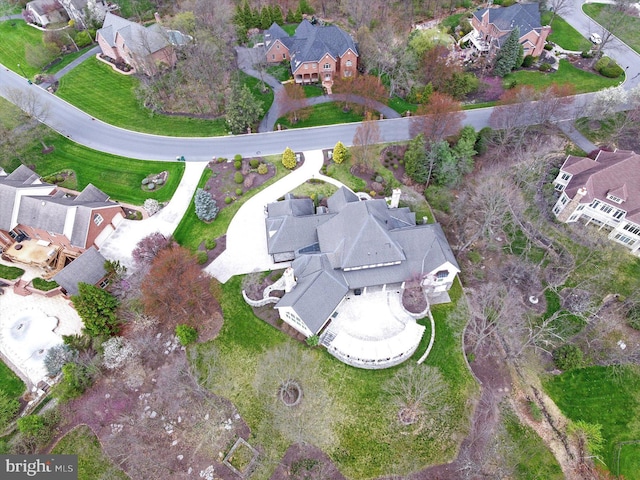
x=31, y=210
x=492, y=26
x=604, y=192
x=350, y=246
x=144, y=48
x=317, y=53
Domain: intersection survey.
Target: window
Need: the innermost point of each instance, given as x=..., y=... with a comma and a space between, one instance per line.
x=619, y=214
x=559, y=187
x=306, y=66
x=104, y=283
x=97, y=219
x=442, y=274
x=349, y=63
x=564, y=199
x=572, y=218
x=629, y=227
x=273, y=56
x=278, y=46
x=557, y=209
x=284, y=56
x=606, y=208
x=595, y=204
x=565, y=176
x=624, y=239
x=327, y=66
x=580, y=207
x=347, y=73
x=614, y=198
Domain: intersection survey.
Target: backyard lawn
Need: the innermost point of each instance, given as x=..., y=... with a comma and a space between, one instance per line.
x=10, y=383
x=15, y=34
x=115, y=103
x=565, y=35
x=566, y=74
x=368, y=440
x=92, y=462
x=596, y=396
x=630, y=35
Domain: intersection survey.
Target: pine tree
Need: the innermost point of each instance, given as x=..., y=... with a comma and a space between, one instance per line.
x=415, y=160
x=97, y=309
x=206, y=207
x=276, y=14
x=242, y=109
x=265, y=18
x=507, y=57
x=340, y=153
x=289, y=159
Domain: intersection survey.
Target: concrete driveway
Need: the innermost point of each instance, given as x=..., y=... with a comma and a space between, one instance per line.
x=246, y=236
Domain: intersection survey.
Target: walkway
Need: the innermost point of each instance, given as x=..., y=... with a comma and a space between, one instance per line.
x=92, y=52
x=569, y=129
x=246, y=236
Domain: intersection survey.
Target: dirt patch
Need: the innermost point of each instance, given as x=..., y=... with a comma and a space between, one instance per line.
x=413, y=299
x=306, y=462
x=222, y=184
x=221, y=245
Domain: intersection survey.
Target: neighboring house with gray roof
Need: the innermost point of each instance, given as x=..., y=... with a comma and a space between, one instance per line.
x=87, y=268
x=317, y=53
x=78, y=10
x=31, y=209
x=144, y=48
x=492, y=26
x=604, y=192
x=347, y=247
x=45, y=12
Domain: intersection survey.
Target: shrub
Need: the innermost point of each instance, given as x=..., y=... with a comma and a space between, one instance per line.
x=210, y=244
x=633, y=316
x=238, y=177
x=313, y=341
x=528, y=61
x=254, y=162
x=340, y=153
x=138, y=215
x=237, y=157
x=545, y=67
x=378, y=179
x=76, y=379
x=262, y=169
x=439, y=197
x=30, y=425
x=289, y=159
x=548, y=47
x=97, y=309
x=83, y=39
x=586, y=54
x=608, y=67
x=228, y=200
x=186, y=335
x=56, y=357
x=237, y=164
x=221, y=159
x=568, y=356
x=238, y=191
x=206, y=207
x=201, y=257
x=44, y=285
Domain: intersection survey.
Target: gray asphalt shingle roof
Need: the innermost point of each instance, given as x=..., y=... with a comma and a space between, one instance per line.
x=525, y=16
x=140, y=40
x=21, y=178
x=87, y=268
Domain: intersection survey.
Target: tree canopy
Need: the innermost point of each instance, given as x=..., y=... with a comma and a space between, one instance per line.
x=97, y=308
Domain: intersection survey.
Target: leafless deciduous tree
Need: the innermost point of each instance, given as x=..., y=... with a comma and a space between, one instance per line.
x=364, y=144
x=291, y=101
x=440, y=118
x=558, y=7
x=31, y=104
x=415, y=390
x=615, y=19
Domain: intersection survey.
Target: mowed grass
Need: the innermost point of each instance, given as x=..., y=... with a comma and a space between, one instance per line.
x=324, y=114
x=67, y=59
x=115, y=102
x=370, y=441
x=92, y=462
x=629, y=35
x=564, y=34
x=192, y=231
x=566, y=74
x=10, y=383
x=595, y=396
x=15, y=35
x=118, y=177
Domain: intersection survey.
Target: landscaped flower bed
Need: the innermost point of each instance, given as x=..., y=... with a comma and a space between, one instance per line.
x=44, y=285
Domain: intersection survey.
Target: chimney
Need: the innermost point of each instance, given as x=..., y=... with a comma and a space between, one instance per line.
x=395, y=198
x=289, y=280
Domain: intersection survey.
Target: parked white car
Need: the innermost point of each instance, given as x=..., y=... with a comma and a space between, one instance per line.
x=595, y=38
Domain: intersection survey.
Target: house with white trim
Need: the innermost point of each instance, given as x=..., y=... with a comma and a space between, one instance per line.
x=604, y=192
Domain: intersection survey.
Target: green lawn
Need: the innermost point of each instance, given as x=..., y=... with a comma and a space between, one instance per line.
x=564, y=34
x=67, y=59
x=369, y=442
x=192, y=231
x=566, y=74
x=324, y=114
x=118, y=177
x=15, y=34
x=630, y=35
x=10, y=383
x=313, y=91
x=401, y=106
x=592, y=395
x=92, y=462
x=452, y=21
x=281, y=71
x=115, y=103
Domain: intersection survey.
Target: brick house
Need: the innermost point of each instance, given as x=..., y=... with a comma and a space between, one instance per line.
x=492, y=26
x=144, y=48
x=604, y=192
x=317, y=54
x=44, y=226
x=45, y=12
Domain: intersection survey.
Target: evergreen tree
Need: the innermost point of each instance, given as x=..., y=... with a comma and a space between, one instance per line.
x=289, y=159
x=445, y=164
x=206, y=207
x=243, y=110
x=340, y=153
x=276, y=14
x=304, y=7
x=97, y=309
x=265, y=18
x=507, y=57
x=464, y=149
x=415, y=160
